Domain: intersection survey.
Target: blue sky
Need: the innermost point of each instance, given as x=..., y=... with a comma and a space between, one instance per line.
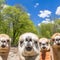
x=39, y=10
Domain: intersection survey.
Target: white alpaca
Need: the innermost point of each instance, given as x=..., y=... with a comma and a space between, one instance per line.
x=28, y=47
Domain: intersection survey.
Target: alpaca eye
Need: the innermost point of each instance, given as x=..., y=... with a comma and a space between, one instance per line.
x=53, y=39
x=30, y=39
x=7, y=40
x=40, y=43
x=57, y=39
x=21, y=42
x=47, y=43
x=35, y=42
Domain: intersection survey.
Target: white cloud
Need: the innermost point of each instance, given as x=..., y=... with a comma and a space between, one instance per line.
x=37, y=4
x=28, y=14
x=58, y=11
x=46, y=21
x=45, y=13
x=39, y=24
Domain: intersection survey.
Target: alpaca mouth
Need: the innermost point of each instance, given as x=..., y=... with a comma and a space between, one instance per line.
x=28, y=48
x=44, y=47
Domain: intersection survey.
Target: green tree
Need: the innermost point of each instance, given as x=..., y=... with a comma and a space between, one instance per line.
x=2, y=2
x=18, y=22
x=46, y=30
x=1, y=15
x=57, y=25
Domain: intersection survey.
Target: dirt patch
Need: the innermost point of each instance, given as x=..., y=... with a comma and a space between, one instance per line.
x=13, y=54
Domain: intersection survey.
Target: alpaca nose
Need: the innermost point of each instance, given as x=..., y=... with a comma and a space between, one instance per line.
x=3, y=46
x=43, y=44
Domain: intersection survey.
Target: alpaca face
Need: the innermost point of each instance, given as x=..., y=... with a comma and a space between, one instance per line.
x=44, y=44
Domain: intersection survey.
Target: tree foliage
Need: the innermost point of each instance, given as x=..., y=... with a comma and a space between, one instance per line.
x=47, y=30
x=16, y=22
x=2, y=2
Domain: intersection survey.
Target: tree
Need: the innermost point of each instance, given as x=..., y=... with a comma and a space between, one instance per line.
x=46, y=30
x=1, y=15
x=18, y=22
x=2, y=1
x=57, y=25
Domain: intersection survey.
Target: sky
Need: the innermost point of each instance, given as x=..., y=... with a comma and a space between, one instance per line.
x=40, y=11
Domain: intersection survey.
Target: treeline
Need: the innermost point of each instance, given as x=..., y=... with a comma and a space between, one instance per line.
x=15, y=21
x=48, y=29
